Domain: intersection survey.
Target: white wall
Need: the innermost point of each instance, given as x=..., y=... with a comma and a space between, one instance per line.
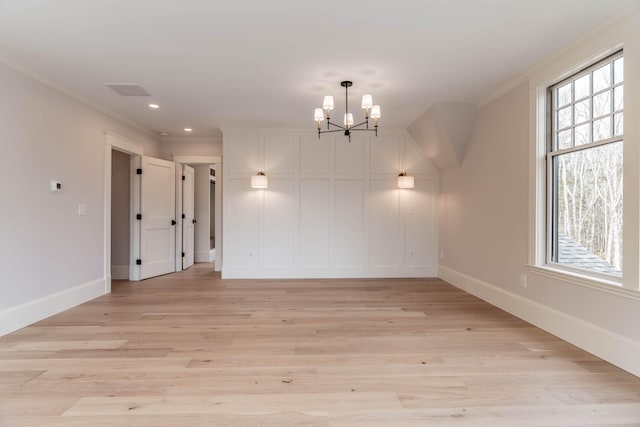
x=332, y=208
x=487, y=214
x=50, y=257
x=120, y=214
x=190, y=146
x=202, y=205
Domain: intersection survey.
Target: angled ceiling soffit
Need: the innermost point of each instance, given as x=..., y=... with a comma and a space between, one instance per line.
x=443, y=133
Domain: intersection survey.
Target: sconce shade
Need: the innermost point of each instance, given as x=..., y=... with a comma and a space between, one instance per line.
x=405, y=181
x=259, y=181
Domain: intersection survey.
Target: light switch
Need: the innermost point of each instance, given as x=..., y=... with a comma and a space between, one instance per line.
x=82, y=209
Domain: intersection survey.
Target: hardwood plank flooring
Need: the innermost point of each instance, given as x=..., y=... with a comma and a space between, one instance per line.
x=190, y=349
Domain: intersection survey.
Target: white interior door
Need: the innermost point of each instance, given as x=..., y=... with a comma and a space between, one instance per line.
x=188, y=221
x=157, y=225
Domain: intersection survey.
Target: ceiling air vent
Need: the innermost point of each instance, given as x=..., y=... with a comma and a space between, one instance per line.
x=127, y=89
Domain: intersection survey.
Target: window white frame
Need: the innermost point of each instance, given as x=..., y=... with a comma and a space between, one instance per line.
x=604, y=41
x=552, y=150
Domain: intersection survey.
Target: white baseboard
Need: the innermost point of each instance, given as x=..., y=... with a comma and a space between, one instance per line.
x=610, y=346
x=327, y=272
x=19, y=316
x=120, y=272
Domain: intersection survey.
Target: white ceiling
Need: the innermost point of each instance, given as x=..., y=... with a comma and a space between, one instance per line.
x=212, y=64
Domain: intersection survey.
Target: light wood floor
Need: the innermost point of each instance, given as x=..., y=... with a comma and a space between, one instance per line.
x=190, y=349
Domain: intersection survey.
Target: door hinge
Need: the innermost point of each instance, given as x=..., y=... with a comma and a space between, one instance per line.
x=183, y=216
x=138, y=216
x=182, y=254
x=184, y=177
x=138, y=262
x=139, y=171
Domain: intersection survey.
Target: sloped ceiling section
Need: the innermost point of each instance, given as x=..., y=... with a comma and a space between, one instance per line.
x=443, y=133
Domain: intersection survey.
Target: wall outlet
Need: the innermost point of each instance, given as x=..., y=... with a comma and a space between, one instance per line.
x=82, y=209
x=55, y=185
x=523, y=280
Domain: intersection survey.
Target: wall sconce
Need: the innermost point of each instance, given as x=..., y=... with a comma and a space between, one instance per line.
x=405, y=181
x=259, y=181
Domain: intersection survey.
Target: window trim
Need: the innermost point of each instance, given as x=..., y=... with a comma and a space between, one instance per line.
x=562, y=65
x=588, y=281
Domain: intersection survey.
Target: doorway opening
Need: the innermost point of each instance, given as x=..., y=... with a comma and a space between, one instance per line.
x=212, y=212
x=120, y=214
x=200, y=239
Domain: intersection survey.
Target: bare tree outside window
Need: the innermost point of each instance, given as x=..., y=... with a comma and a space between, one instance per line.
x=585, y=157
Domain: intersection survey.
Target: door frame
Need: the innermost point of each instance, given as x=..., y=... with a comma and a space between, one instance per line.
x=116, y=142
x=181, y=160
x=182, y=185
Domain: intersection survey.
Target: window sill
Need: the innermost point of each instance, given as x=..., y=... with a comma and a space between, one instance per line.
x=599, y=284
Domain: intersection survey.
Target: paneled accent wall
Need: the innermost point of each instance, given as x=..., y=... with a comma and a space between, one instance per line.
x=332, y=208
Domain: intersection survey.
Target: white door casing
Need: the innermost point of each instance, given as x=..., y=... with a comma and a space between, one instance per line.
x=200, y=160
x=188, y=221
x=157, y=207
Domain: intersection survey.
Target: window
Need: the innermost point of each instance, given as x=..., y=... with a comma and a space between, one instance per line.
x=584, y=169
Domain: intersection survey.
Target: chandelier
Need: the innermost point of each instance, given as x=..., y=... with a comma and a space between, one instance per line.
x=370, y=111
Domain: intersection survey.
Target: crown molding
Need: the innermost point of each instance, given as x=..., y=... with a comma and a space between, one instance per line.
x=68, y=92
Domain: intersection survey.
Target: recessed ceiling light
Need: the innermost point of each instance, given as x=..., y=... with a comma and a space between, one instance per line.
x=188, y=129
x=154, y=106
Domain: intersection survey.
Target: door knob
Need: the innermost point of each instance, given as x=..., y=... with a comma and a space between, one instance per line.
x=173, y=222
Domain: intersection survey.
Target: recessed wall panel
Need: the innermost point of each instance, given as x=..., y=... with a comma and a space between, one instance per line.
x=420, y=238
x=242, y=242
x=242, y=153
x=348, y=237
x=349, y=156
x=314, y=223
x=385, y=226
x=279, y=153
x=315, y=155
x=383, y=155
x=279, y=223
